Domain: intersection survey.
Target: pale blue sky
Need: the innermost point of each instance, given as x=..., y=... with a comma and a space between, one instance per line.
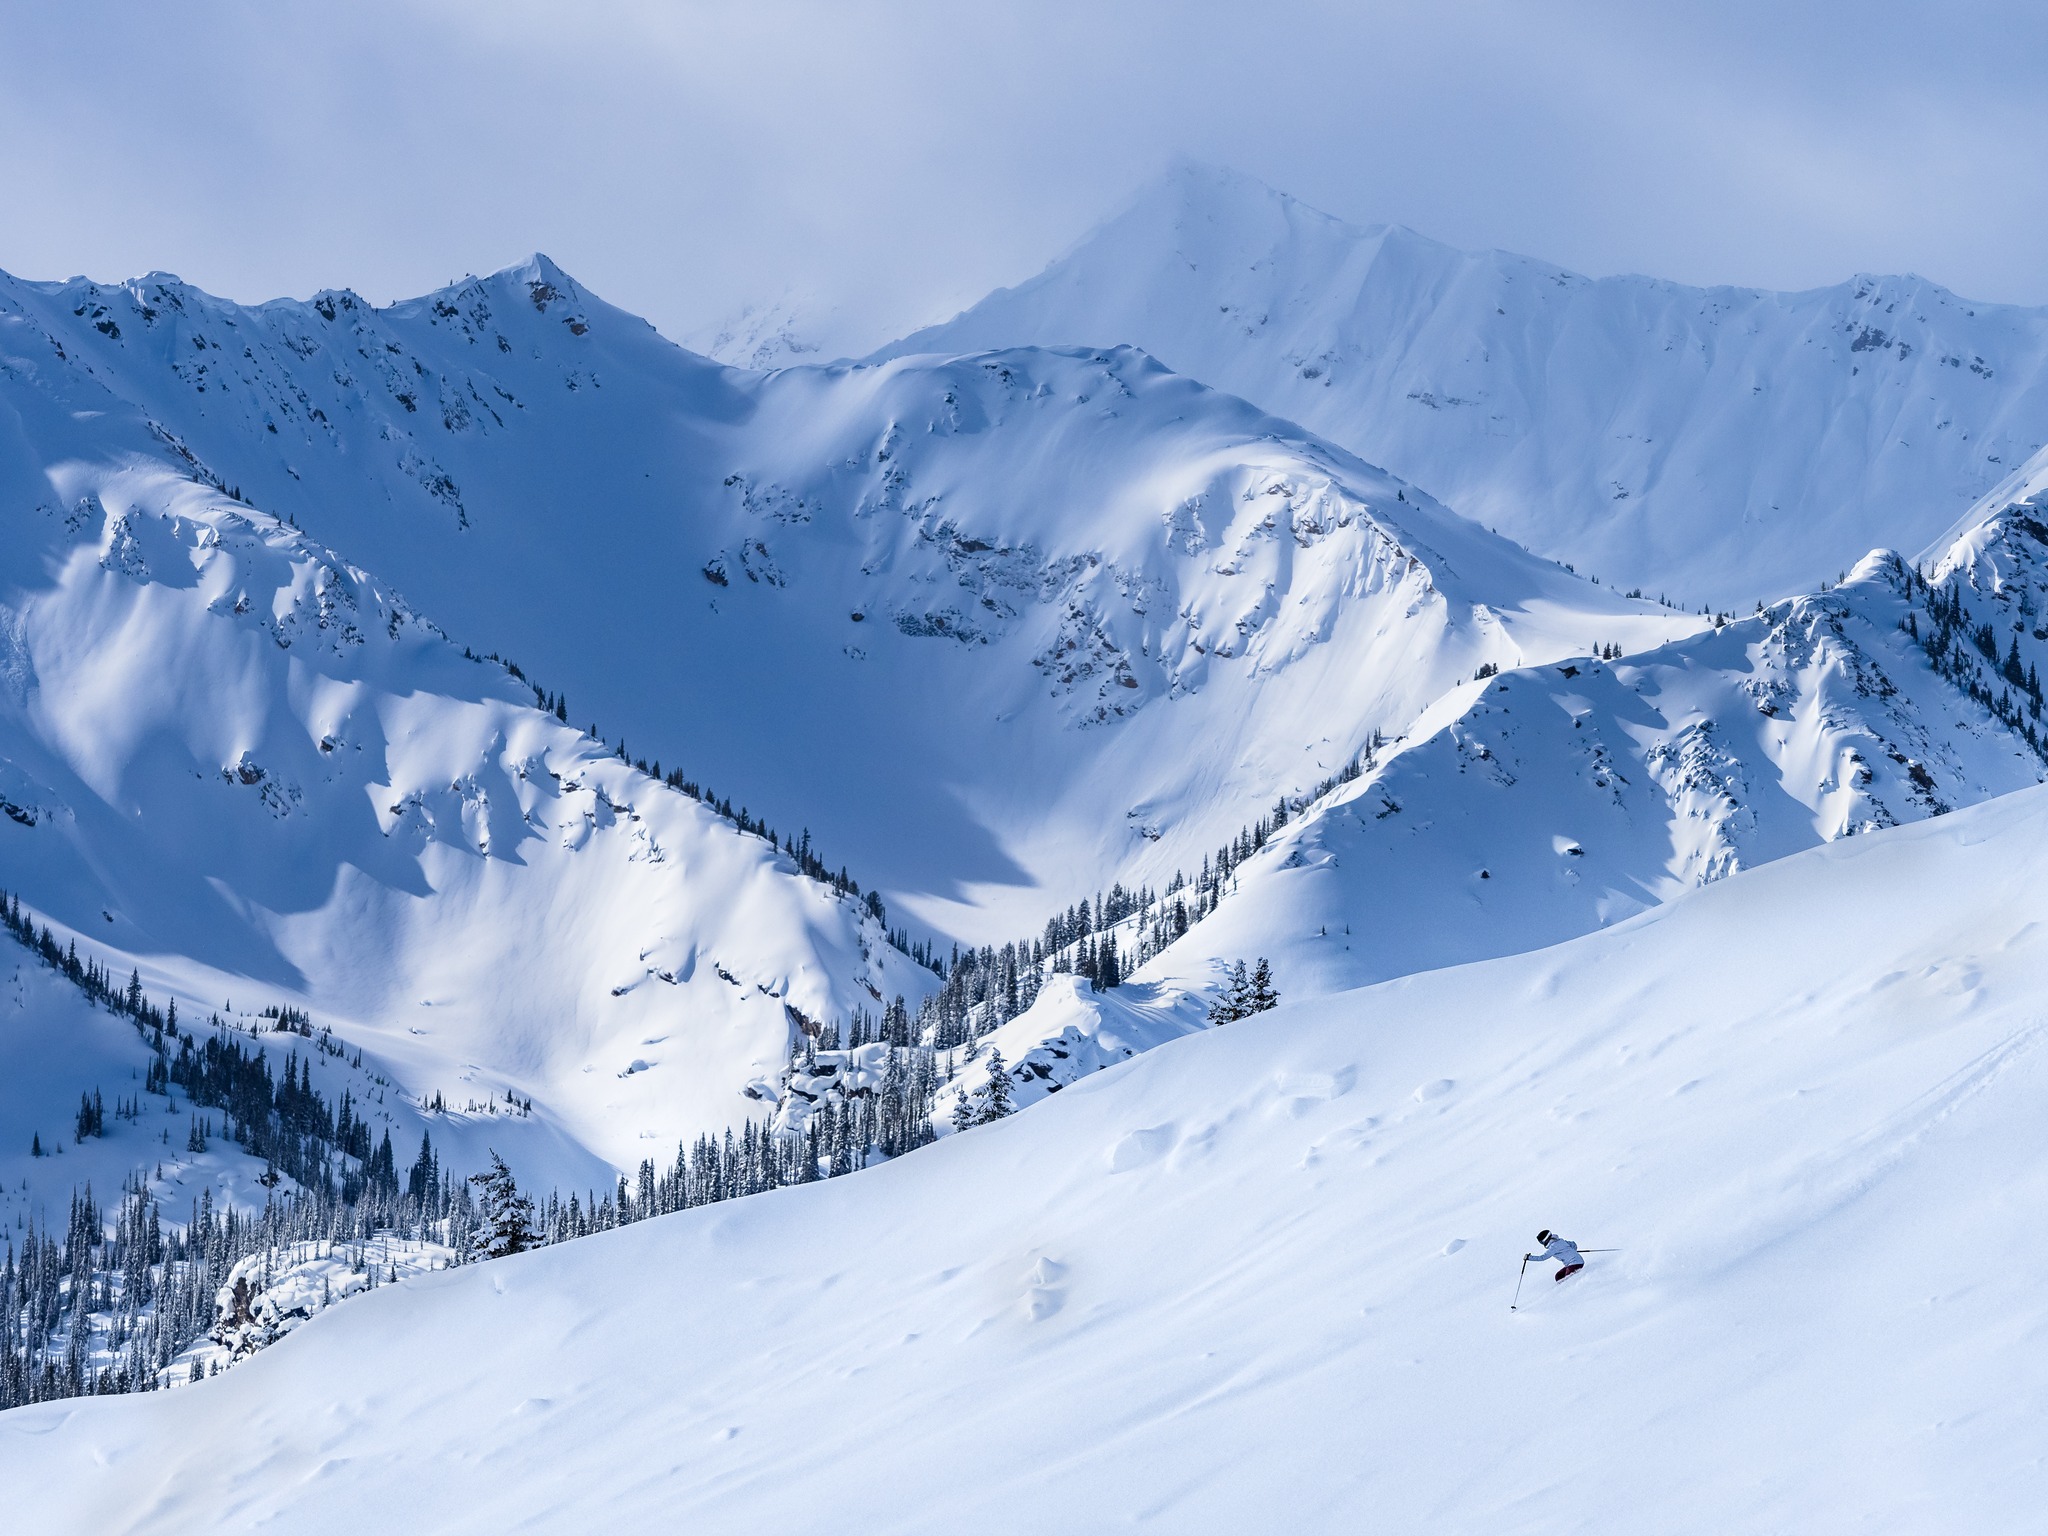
x=905, y=157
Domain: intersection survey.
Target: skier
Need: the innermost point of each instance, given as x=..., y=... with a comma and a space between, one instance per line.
x=1562, y=1249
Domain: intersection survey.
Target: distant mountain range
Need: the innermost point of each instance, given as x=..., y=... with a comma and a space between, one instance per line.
x=1720, y=445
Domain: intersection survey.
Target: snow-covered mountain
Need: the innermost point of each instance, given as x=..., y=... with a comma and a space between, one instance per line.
x=999, y=629
x=1013, y=627
x=774, y=334
x=1724, y=445
x=254, y=772
x=58, y=1048
x=1260, y=1279
x=1007, y=627
x=1555, y=799
x=1014, y=634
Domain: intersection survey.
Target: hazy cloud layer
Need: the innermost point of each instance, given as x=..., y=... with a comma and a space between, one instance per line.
x=903, y=158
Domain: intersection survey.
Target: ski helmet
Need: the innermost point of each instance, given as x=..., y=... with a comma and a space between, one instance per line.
x=1543, y=1236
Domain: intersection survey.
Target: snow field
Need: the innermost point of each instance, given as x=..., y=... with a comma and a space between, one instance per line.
x=1103, y=612
x=1003, y=626
x=1260, y=1278
x=285, y=1288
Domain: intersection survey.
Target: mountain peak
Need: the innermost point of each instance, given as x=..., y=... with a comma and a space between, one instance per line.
x=538, y=273
x=1463, y=372
x=1191, y=194
x=1223, y=189
x=543, y=267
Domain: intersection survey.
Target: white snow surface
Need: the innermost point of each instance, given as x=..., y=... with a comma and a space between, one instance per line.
x=791, y=329
x=303, y=1280
x=1260, y=1278
x=1724, y=445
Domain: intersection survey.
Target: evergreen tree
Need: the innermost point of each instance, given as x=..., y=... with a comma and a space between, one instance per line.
x=992, y=1098
x=1108, y=965
x=1263, y=993
x=380, y=1172
x=425, y=1174
x=1235, y=1002
x=505, y=1224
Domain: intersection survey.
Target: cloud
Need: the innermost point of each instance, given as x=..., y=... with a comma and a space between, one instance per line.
x=902, y=158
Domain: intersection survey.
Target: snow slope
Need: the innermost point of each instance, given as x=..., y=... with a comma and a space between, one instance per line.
x=1000, y=629
x=1555, y=799
x=58, y=1047
x=1724, y=445
x=1259, y=1278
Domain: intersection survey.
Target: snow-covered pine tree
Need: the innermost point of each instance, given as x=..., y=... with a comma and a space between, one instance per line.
x=992, y=1098
x=1264, y=994
x=505, y=1222
x=1235, y=1002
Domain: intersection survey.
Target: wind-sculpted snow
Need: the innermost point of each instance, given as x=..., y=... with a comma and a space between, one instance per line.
x=999, y=628
x=1723, y=445
x=1260, y=1279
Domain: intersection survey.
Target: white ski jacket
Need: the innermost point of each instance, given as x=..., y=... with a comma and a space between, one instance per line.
x=1562, y=1249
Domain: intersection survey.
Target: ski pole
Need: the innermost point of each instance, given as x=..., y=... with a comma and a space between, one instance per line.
x=1518, y=1283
